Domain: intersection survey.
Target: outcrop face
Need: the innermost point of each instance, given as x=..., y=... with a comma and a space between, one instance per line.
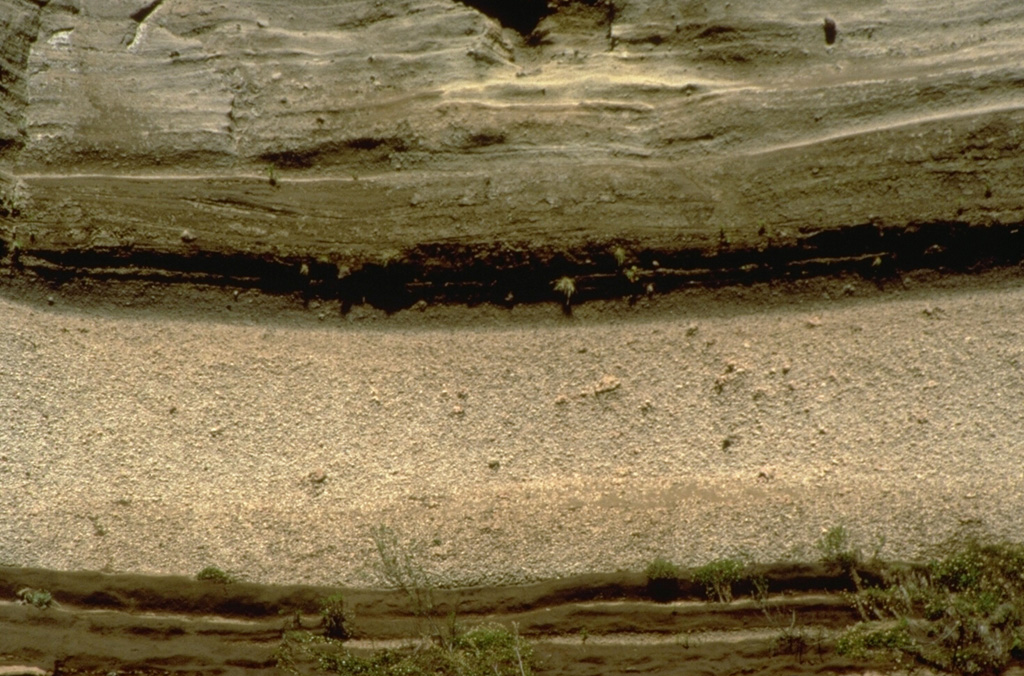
x=19, y=25
x=364, y=130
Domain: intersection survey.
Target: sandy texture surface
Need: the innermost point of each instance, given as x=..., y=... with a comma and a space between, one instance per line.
x=515, y=447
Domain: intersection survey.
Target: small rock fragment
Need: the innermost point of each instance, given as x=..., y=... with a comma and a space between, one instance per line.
x=608, y=383
x=187, y=236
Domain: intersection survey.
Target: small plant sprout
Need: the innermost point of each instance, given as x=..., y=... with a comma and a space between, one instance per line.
x=836, y=549
x=272, y=175
x=662, y=579
x=40, y=598
x=620, y=256
x=662, y=569
x=723, y=241
x=567, y=287
x=333, y=617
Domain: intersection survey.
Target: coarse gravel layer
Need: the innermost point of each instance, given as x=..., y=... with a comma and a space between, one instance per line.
x=514, y=449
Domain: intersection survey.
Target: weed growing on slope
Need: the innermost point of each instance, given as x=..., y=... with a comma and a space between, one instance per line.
x=448, y=650
x=486, y=650
x=963, y=613
x=567, y=287
x=662, y=579
x=400, y=569
x=333, y=618
x=836, y=549
x=718, y=578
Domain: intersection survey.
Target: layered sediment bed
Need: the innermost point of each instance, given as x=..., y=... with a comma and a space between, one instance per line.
x=236, y=239
x=245, y=140
x=125, y=622
x=513, y=445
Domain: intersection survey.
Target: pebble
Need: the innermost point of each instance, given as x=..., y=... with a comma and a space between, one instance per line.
x=607, y=384
x=187, y=236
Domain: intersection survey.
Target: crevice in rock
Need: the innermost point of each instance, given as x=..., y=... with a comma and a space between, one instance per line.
x=144, y=12
x=519, y=15
x=139, y=17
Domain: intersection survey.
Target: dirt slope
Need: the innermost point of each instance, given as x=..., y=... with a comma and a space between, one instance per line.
x=510, y=445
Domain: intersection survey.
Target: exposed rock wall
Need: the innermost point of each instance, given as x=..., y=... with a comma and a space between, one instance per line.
x=361, y=129
x=189, y=84
x=19, y=25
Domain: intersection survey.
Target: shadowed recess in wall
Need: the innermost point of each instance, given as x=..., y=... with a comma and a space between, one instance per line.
x=520, y=15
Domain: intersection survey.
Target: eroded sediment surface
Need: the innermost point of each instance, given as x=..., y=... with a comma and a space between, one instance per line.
x=508, y=447
x=425, y=132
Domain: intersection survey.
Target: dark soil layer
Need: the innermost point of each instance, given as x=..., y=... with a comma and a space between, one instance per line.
x=507, y=275
x=600, y=623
